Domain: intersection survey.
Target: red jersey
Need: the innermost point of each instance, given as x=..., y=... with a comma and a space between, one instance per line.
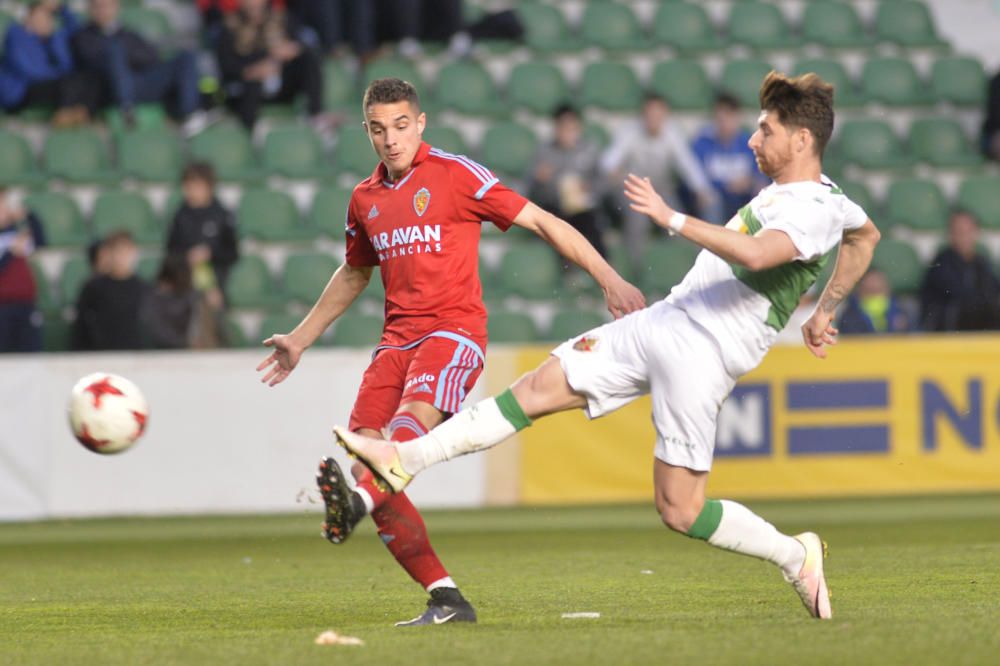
x=423, y=232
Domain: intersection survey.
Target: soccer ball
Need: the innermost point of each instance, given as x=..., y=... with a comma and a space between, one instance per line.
x=107, y=413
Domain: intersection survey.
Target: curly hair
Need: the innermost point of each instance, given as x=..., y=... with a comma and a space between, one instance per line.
x=804, y=101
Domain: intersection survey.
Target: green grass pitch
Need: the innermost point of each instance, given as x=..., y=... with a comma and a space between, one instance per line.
x=915, y=581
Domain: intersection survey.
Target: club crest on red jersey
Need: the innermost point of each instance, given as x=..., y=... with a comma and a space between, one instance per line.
x=586, y=343
x=421, y=200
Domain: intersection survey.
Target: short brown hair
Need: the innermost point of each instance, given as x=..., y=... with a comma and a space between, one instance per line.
x=804, y=101
x=202, y=171
x=390, y=91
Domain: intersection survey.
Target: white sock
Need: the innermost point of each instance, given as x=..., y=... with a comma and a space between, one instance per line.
x=743, y=531
x=442, y=582
x=475, y=429
x=366, y=498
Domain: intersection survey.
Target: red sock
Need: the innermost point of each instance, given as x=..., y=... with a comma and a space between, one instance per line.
x=402, y=428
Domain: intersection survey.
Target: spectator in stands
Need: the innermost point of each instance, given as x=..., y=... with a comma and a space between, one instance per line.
x=565, y=178
x=177, y=315
x=133, y=72
x=411, y=21
x=872, y=308
x=338, y=22
x=653, y=147
x=991, y=121
x=263, y=59
x=203, y=230
x=722, y=151
x=960, y=291
x=37, y=67
x=21, y=233
x=110, y=306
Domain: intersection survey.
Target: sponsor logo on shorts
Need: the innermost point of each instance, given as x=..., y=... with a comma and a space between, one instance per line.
x=587, y=343
x=423, y=388
x=425, y=378
x=421, y=200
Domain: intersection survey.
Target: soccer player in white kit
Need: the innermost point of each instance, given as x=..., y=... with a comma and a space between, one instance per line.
x=689, y=349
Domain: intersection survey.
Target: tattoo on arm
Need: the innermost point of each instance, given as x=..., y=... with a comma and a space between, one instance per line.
x=833, y=295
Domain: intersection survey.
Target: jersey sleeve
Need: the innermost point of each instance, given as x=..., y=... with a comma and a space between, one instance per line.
x=481, y=194
x=806, y=222
x=854, y=215
x=360, y=251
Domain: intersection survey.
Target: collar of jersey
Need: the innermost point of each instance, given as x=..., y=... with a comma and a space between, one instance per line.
x=382, y=174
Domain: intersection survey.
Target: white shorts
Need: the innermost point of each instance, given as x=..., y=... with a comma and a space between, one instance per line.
x=660, y=351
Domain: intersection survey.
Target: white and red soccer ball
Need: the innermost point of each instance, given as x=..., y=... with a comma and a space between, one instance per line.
x=107, y=412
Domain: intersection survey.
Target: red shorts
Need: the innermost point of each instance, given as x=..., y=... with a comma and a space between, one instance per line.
x=438, y=370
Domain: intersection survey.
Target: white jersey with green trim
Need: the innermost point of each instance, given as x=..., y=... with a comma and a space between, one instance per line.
x=745, y=310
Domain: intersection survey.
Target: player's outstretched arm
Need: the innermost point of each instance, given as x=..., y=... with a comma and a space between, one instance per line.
x=621, y=296
x=856, y=249
x=343, y=288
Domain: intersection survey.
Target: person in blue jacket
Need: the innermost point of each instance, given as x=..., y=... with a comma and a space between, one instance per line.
x=37, y=68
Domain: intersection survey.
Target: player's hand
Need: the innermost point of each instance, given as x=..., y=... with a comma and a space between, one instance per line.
x=645, y=200
x=818, y=332
x=622, y=298
x=282, y=360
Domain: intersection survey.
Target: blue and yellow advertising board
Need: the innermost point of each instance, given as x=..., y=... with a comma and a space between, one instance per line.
x=889, y=415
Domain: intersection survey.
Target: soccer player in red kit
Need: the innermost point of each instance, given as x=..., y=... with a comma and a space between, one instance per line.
x=418, y=218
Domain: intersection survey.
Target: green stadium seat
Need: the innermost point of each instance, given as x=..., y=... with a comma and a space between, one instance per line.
x=228, y=148
x=916, y=204
x=236, y=337
x=512, y=327
x=447, y=139
x=530, y=270
x=75, y=271
x=353, y=330
x=353, y=153
x=959, y=80
x=276, y=322
x=901, y=265
x=683, y=83
x=664, y=264
x=545, y=28
x=269, y=215
x=941, y=142
x=306, y=275
x=509, y=148
x=150, y=23
x=375, y=291
x=117, y=210
x=845, y=93
x=612, y=26
x=465, y=86
x=60, y=216
x=870, y=144
x=597, y=134
x=339, y=89
x=685, y=26
x=743, y=78
x=328, y=214
x=78, y=155
x=834, y=24
x=56, y=331
x=149, y=267
x=759, y=26
x=859, y=193
x=294, y=152
x=894, y=82
x=150, y=155
x=906, y=23
x=398, y=68
x=537, y=86
x=250, y=284
x=151, y=116
x=610, y=85
x=980, y=195
x=568, y=324
x=18, y=164
x=44, y=298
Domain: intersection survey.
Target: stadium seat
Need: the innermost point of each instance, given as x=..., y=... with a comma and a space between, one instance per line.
x=328, y=213
x=545, y=28
x=959, y=80
x=44, y=298
x=339, y=90
x=294, y=152
x=901, y=265
x=759, y=26
x=250, y=284
x=354, y=330
x=465, y=86
x=531, y=270
x=664, y=264
x=567, y=324
x=75, y=271
x=447, y=139
x=683, y=83
x=685, y=26
x=56, y=331
x=916, y=204
x=941, y=142
x=537, y=86
x=150, y=155
x=612, y=26
x=906, y=23
x=894, y=82
x=60, y=216
x=149, y=267
x=18, y=164
x=597, y=134
x=509, y=148
x=228, y=148
x=859, y=193
x=76, y=155
x=353, y=153
x=276, y=322
x=870, y=144
x=511, y=327
x=742, y=78
x=150, y=23
x=269, y=215
x=980, y=195
x=845, y=94
x=398, y=68
x=118, y=210
x=610, y=85
x=236, y=337
x=834, y=24
x=306, y=275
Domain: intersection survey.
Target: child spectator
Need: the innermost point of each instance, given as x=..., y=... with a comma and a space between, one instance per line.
x=872, y=308
x=178, y=316
x=20, y=234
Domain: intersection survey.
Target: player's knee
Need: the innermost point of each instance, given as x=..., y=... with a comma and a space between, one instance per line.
x=678, y=517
